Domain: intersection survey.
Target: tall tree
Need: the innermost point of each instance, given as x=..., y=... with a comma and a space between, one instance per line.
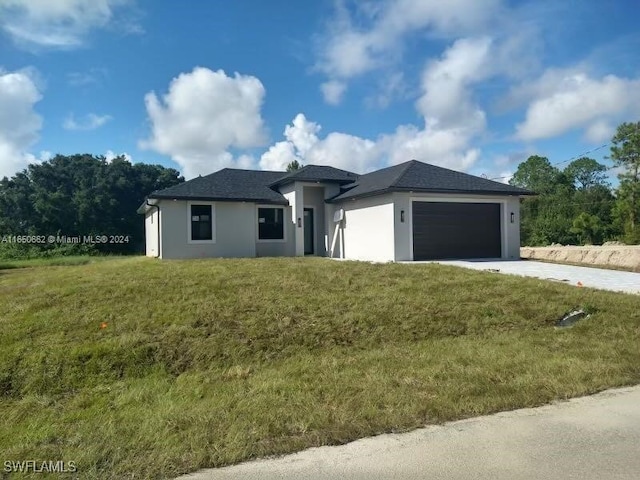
x=546, y=218
x=294, y=165
x=587, y=227
x=81, y=195
x=537, y=174
x=586, y=173
x=625, y=153
x=593, y=201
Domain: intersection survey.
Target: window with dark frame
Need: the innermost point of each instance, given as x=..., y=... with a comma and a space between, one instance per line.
x=201, y=222
x=271, y=223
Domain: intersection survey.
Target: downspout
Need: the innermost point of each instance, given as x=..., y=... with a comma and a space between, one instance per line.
x=146, y=200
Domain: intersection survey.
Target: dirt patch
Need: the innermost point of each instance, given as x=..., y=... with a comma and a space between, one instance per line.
x=623, y=256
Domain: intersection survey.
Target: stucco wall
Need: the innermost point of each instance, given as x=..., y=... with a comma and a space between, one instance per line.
x=368, y=229
x=293, y=192
x=151, y=232
x=305, y=194
x=314, y=198
x=372, y=229
x=403, y=232
x=513, y=229
x=235, y=231
x=330, y=191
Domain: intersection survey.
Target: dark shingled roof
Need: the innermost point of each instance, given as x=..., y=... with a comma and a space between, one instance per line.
x=422, y=177
x=228, y=184
x=231, y=184
x=317, y=173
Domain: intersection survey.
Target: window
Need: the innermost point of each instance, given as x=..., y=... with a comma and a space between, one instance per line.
x=201, y=222
x=271, y=223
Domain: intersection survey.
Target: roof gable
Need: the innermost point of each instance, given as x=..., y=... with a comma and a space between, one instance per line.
x=423, y=177
x=317, y=173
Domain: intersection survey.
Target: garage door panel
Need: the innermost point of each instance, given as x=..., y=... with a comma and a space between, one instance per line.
x=456, y=230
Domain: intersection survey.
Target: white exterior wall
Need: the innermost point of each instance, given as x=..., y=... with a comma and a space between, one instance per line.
x=314, y=198
x=330, y=191
x=293, y=194
x=368, y=229
x=151, y=228
x=371, y=230
x=301, y=195
x=510, y=232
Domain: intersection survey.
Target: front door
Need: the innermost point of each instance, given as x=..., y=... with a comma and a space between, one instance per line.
x=308, y=231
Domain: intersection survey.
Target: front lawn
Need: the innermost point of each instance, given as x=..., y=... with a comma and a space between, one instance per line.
x=146, y=369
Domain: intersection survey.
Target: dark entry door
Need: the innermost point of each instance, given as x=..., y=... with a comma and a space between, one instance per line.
x=456, y=230
x=308, y=232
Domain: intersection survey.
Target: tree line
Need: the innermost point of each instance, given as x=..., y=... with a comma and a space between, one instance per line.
x=77, y=196
x=577, y=204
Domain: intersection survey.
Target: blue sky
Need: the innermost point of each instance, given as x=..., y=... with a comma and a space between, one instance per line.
x=472, y=85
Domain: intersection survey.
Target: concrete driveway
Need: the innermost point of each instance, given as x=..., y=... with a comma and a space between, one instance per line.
x=617, y=281
x=589, y=438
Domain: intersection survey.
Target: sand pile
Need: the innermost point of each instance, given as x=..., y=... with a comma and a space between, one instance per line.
x=611, y=253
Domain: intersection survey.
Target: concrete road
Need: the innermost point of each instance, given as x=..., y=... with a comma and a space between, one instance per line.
x=589, y=438
x=614, y=280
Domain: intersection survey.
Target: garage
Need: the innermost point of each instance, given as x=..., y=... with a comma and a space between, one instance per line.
x=447, y=230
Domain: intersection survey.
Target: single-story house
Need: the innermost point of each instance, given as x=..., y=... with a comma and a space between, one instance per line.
x=411, y=211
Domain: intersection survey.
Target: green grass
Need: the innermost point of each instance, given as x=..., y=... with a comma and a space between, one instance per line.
x=52, y=261
x=204, y=363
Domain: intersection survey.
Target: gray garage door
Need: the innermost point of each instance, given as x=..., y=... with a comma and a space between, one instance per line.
x=456, y=230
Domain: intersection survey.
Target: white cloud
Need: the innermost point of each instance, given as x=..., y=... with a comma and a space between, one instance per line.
x=279, y=156
x=373, y=38
x=56, y=23
x=446, y=147
x=19, y=123
x=91, y=121
x=203, y=116
x=565, y=100
x=390, y=87
x=599, y=131
x=344, y=151
x=502, y=167
x=511, y=159
x=301, y=136
x=447, y=99
x=451, y=121
x=45, y=155
x=333, y=91
x=304, y=145
x=302, y=133
x=247, y=162
x=110, y=155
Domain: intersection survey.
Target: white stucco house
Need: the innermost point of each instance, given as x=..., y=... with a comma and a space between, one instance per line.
x=411, y=211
